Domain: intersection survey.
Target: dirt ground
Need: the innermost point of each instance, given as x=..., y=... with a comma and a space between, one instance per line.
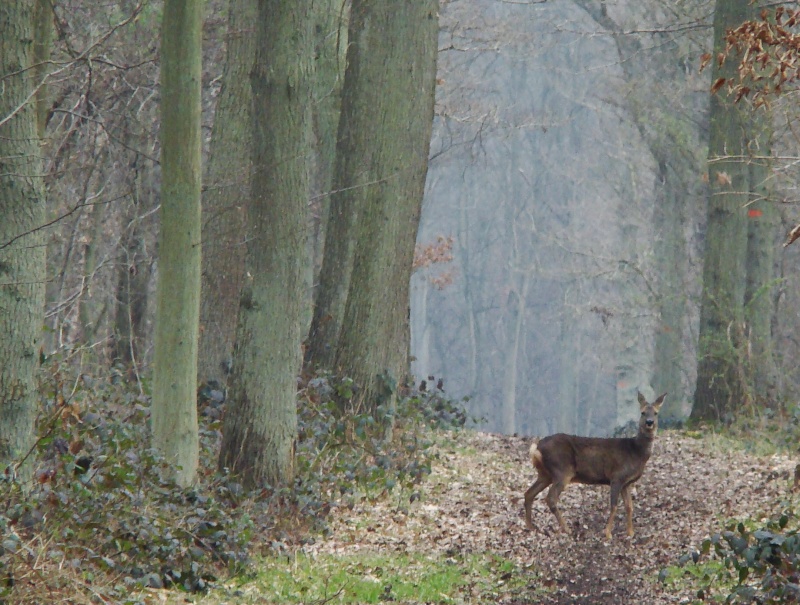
x=473, y=503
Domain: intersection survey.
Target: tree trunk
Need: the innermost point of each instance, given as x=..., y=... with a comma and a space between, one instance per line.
x=261, y=420
x=22, y=250
x=226, y=196
x=391, y=76
x=721, y=383
x=330, y=48
x=349, y=188
x=762, y=229
x=174, y=408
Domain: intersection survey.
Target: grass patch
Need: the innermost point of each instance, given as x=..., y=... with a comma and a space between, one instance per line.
x=697, y=578
x=756, y=431
x=378, y=577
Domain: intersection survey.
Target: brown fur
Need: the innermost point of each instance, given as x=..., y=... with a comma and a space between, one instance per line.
x=562, y=459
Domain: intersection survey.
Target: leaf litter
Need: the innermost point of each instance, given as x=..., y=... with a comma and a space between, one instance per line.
x=472, y=504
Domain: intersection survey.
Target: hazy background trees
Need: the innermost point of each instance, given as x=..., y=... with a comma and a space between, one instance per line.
x=559, y=126
x=568, y=164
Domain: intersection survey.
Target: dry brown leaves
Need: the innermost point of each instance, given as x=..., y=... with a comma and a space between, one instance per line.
x=473, y=503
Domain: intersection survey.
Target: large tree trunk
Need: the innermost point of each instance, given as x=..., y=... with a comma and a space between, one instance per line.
x=391, y=77
x=226, y=196
x=22, y=250
x=349, y=189
x=261, y=419
x=721, y=381
x=174, y=408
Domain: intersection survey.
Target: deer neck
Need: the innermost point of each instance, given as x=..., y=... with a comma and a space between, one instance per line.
x=644, y=442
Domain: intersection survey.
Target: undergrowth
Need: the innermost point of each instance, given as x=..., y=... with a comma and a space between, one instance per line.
x=759, y=431
x=100, y=522
x=749, y=560
x=746, y=562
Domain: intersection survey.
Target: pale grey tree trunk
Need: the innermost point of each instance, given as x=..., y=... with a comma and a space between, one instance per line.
x=174, y=407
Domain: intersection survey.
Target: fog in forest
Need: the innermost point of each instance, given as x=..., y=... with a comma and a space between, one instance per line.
x=543, y=174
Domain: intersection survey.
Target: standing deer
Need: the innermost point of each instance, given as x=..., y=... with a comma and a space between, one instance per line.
x=563, y=459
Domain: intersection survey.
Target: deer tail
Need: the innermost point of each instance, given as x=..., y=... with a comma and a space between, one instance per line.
x=535, y=454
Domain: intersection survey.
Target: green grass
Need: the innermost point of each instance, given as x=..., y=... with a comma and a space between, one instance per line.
x=698, y=577
x=377, y=577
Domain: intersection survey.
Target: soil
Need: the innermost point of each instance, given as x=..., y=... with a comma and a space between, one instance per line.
x=472, y=503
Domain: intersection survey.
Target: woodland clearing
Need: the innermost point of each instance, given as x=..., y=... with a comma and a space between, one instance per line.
x=472, y=504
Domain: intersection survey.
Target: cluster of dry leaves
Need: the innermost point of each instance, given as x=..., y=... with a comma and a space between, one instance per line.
x=473, y=504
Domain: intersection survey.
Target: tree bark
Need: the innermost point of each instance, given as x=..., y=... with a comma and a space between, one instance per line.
x=390, y=77
x=44, y=30
x=22, y=249
x=261, y=420
x=174, y=408
x=226, y=196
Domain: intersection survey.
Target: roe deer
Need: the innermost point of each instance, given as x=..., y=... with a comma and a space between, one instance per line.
x=563, y=459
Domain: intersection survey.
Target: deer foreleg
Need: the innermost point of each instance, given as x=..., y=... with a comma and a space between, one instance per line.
x=626, y=499
x=615, y=491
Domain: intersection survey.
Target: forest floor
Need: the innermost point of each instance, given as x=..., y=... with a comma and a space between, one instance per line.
x=472, y=504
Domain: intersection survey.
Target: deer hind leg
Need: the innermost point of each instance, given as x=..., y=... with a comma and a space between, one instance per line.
x=542, y=481
x=616, y=488
x=626, y=499
x=552, y=500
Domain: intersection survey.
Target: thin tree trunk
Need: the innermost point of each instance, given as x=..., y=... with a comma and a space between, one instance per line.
x=174, y=408
x=762, y=229
x=669, y=250
x=330, y=48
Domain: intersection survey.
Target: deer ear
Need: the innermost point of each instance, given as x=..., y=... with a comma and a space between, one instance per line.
x=658, y=402
x=642, y=400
